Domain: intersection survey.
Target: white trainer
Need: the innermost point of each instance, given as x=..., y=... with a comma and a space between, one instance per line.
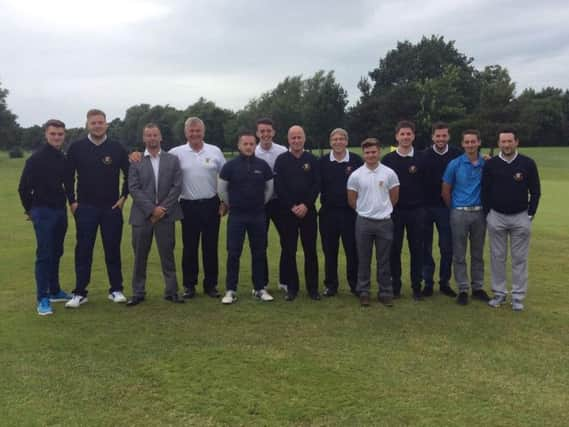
x=283, y=287
x=76, y=301
x=117, y=296
x=263, y=295
x=229, y=298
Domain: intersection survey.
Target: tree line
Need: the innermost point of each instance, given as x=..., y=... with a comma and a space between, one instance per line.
x=425, y=82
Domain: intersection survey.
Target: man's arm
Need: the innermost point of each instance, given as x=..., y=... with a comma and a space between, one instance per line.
x=140, y=198
x=446, y=193
x=485, y=188
x=176, y=188
x=69, y=179
x=534, y=188
x=25, y=188
x=281, y=188
x=223, y=190
x=124, y=165
x=269, y=189
x=394, y=195
x=352, y=198
x=316, y=183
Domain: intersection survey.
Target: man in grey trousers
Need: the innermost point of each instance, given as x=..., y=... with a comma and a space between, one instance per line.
x=373, y=190
x=510, y=196
x=155, y=184
x=461, y=192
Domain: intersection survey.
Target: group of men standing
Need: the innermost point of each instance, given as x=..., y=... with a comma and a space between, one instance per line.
x=362, y=203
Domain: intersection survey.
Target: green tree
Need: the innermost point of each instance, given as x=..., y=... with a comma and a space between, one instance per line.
x=9, y=129
x=32, y=137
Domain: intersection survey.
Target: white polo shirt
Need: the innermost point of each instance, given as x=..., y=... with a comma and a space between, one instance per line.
x=372, y=186
x=270, y=155
x=199, y=170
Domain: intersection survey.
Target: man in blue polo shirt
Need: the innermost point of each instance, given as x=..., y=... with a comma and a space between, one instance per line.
x=461, y=192
x=245, y=184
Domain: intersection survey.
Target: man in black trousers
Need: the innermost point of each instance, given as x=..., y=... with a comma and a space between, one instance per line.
x=297, y=184
x=97, y=161
x=436, y=158
x=337, y=218
x=408, y=214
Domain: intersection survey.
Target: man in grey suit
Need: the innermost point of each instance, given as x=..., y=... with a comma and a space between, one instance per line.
x=155, y=184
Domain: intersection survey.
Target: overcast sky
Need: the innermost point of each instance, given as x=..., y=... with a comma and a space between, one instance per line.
x=61, y=57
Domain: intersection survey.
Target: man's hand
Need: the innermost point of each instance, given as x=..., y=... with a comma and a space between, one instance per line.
x=135, y=157
x=119, y=204
x=157, y=214
x=29, y=217
x=73, y=207
x=299, y=210
x=223, y=208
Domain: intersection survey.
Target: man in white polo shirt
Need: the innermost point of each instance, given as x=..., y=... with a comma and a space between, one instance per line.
x=200, y=164
x=373, y=190
x=268, y=151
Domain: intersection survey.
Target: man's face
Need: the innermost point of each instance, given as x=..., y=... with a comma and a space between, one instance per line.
x=371, y=155
x=151, y=138
x=470, y=143
x=508, y=143
x=405, y=137
x=97, y=125
x=265, y=133
x=296, y=139
x=441, y=138
x=55, y=136
x=338, y=142
x=246, y=145
x=194, y=133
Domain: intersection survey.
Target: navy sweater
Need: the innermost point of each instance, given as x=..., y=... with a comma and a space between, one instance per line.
x=435, y=165
x=411, y=174
x=297, y=180
x=334, y=177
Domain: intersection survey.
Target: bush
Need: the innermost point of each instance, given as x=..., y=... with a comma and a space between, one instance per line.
x=16, y=153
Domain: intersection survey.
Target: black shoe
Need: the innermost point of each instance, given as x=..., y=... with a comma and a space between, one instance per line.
x=315, y=296
x=481, y=295
x=212, y=293
x=329, y=292
x=417, y=295
x=448, y=291
x=364, y=300
x=385, y=300
x=174, y=298
x=289, y=296
x=427, y=291
x=134, y=301
x=189, y=293
x=462, y=298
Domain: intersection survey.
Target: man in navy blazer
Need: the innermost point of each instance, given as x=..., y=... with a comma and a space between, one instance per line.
x=155, y=184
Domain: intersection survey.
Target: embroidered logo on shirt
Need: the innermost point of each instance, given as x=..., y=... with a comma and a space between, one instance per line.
x=107, y=160
x=518, y=177
x=381, y=183
x=306, y=167
x=412, y=169
x=207, y=159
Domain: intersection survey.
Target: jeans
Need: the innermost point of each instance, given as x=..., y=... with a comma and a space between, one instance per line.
x=439, y=216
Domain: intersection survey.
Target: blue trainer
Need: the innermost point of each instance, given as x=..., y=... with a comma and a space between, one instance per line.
x=44, y=307
x=61, y=296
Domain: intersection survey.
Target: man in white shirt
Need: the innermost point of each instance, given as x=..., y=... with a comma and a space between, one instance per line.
x=373, y=190
x=268, y=151
x=200, y=164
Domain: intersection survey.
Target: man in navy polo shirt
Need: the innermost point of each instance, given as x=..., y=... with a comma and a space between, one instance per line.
x=246, y=185
x=97, y=161
x=461, y=192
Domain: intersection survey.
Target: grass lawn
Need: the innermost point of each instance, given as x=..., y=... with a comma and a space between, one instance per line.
x=301, y=363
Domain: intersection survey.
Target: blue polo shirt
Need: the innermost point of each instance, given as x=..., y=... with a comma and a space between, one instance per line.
x=465, y=179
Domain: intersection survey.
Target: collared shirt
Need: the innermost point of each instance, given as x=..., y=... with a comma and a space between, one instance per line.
x=465, y=179
x=270, y=155
x=155, y=162
x=440, y=153
x=344, y=159
x=409, y=154
x=199, y=170
x=90, y=138
x=506, y=160
x=372, y=186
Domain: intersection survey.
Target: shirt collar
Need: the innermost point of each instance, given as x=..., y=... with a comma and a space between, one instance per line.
x=147, y=153
x=438, y=152
x=91, y=139
x=372, y=170
x=464, y=159
x=271, y=148
x=344, y=159
x=409, y=154
x=508, y=161
x=194, y=151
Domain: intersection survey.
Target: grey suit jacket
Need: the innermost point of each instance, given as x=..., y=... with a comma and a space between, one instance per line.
x=142, y=187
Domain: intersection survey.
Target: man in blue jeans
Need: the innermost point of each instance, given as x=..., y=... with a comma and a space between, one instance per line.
x=43, y=198
x=98, y=162
x=246, y=185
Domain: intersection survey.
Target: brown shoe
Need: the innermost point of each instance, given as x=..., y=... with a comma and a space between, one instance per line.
x=364, y=300
x=386, y=301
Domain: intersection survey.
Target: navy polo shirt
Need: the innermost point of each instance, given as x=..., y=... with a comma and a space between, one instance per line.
x=465, y=179
x=246, y=177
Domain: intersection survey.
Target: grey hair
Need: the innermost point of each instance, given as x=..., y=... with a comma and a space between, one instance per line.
x=193, y=121
x=340, y=131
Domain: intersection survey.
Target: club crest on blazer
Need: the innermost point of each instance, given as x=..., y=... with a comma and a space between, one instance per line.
x=412, y=169
x=107, y=160
x=306, y=167
x=518, y=177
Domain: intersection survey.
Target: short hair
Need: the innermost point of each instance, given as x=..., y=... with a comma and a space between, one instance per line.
x=190, y=121
x=54, y=123
x=439, y=126
x=96, y=112
x=246, y=132
x=371, y=142
x=151, y=125
x=265, y=121
x=471, y=132
x=508, y=129
x=405, y=124
x=341, y=131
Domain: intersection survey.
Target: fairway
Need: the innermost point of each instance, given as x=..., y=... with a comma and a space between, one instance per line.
x=301, y=363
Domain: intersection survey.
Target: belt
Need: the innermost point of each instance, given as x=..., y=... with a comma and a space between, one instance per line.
x=469, y=208
x=376, y=219
x=199, y=201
